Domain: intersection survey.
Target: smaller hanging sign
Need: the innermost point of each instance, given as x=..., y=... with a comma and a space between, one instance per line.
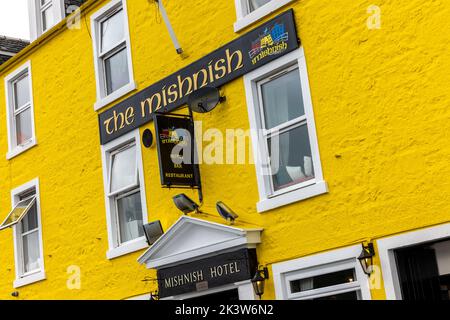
x=176, y=147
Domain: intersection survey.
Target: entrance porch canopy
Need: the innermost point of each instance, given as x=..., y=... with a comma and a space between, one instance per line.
x=192, y=239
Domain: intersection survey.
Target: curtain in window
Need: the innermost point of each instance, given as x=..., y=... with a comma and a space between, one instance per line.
x=418, y=273
x=130, y=217
x=255, y=4
x=283, y=102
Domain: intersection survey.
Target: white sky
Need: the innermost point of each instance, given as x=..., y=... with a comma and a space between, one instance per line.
x=14, y=19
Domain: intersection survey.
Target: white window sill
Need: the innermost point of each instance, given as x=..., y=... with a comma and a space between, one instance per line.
x=36, y=277
x=259, y=13
x=293, y=196
x=21, y=149
x=115, y=95
x=132, y=246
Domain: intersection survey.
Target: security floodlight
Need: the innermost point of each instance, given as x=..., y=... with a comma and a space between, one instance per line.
x=153, y=231
x=204, y=99
x=225, y=212
x=185, y=204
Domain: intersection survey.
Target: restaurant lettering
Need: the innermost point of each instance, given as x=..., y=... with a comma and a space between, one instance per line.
x=254, y=49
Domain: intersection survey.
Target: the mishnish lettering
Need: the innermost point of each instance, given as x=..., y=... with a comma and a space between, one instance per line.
x=187, y=278
x=259, y=46
x=183, y=87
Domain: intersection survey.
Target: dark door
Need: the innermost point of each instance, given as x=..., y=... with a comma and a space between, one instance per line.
x=225, y=296
x=418, y=273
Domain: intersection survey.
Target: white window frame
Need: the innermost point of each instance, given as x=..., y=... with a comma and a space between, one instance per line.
x=387, y=246
x=24, y=279
x=319, y=264
x=115, y=248
x=103, y=99
x=268, y=199
x=34, y=8
x=14, y=149
x=246, y=18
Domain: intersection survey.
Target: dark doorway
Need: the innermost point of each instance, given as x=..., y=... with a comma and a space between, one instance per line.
x=419, y=274
x=225, y=296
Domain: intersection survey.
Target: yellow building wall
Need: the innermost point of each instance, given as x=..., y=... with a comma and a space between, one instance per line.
x=380, y=100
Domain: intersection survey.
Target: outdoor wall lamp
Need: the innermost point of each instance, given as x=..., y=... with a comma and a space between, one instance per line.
x=366, y=258
x=185, y=204
x=259, y=281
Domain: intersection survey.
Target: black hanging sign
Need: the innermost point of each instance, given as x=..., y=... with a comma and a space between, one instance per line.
x=268, y=42
x=175, y=141
x=207, y=273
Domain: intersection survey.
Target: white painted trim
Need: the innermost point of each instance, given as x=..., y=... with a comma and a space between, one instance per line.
x=39, y=275
x=245, y=19
x=268, y=201
x=126, y=248
x=33, y=23
x=35, y=20
x=386, y=247
x=138, y=244
x=240, y=238
x=102, y=98
x=293, y=196
x=114, y=96
x=14, y=149
x=321, y=263
x=21, y=149
x=35, y=277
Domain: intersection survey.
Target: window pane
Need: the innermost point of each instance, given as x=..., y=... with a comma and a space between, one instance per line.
x=343, y=296
x=23, y=126
x=31, y=252
x=130, y=217
x=112, y=31
x=255, y=4
x=123, y=169
x=21, y=92
x=323, y=280
x=282, y=99
x=17, y=212
x=116, y=68
x=30, y=221
x=47, y=19
x=291, y=158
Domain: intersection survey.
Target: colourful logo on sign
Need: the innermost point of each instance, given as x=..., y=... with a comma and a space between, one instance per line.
x=271, y=42
x=172, y=135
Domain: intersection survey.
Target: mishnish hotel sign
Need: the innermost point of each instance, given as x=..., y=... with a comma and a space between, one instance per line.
x=212, y=272
x=254, y=49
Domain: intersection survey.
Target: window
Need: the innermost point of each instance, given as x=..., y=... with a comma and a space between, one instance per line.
x=284, y=139
x=416, y=264
x=44, y=14
x=335, y=275
x=125, y=195
x=112, y=53
x=25, y=218
x=250, y=11
x=20, y=114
